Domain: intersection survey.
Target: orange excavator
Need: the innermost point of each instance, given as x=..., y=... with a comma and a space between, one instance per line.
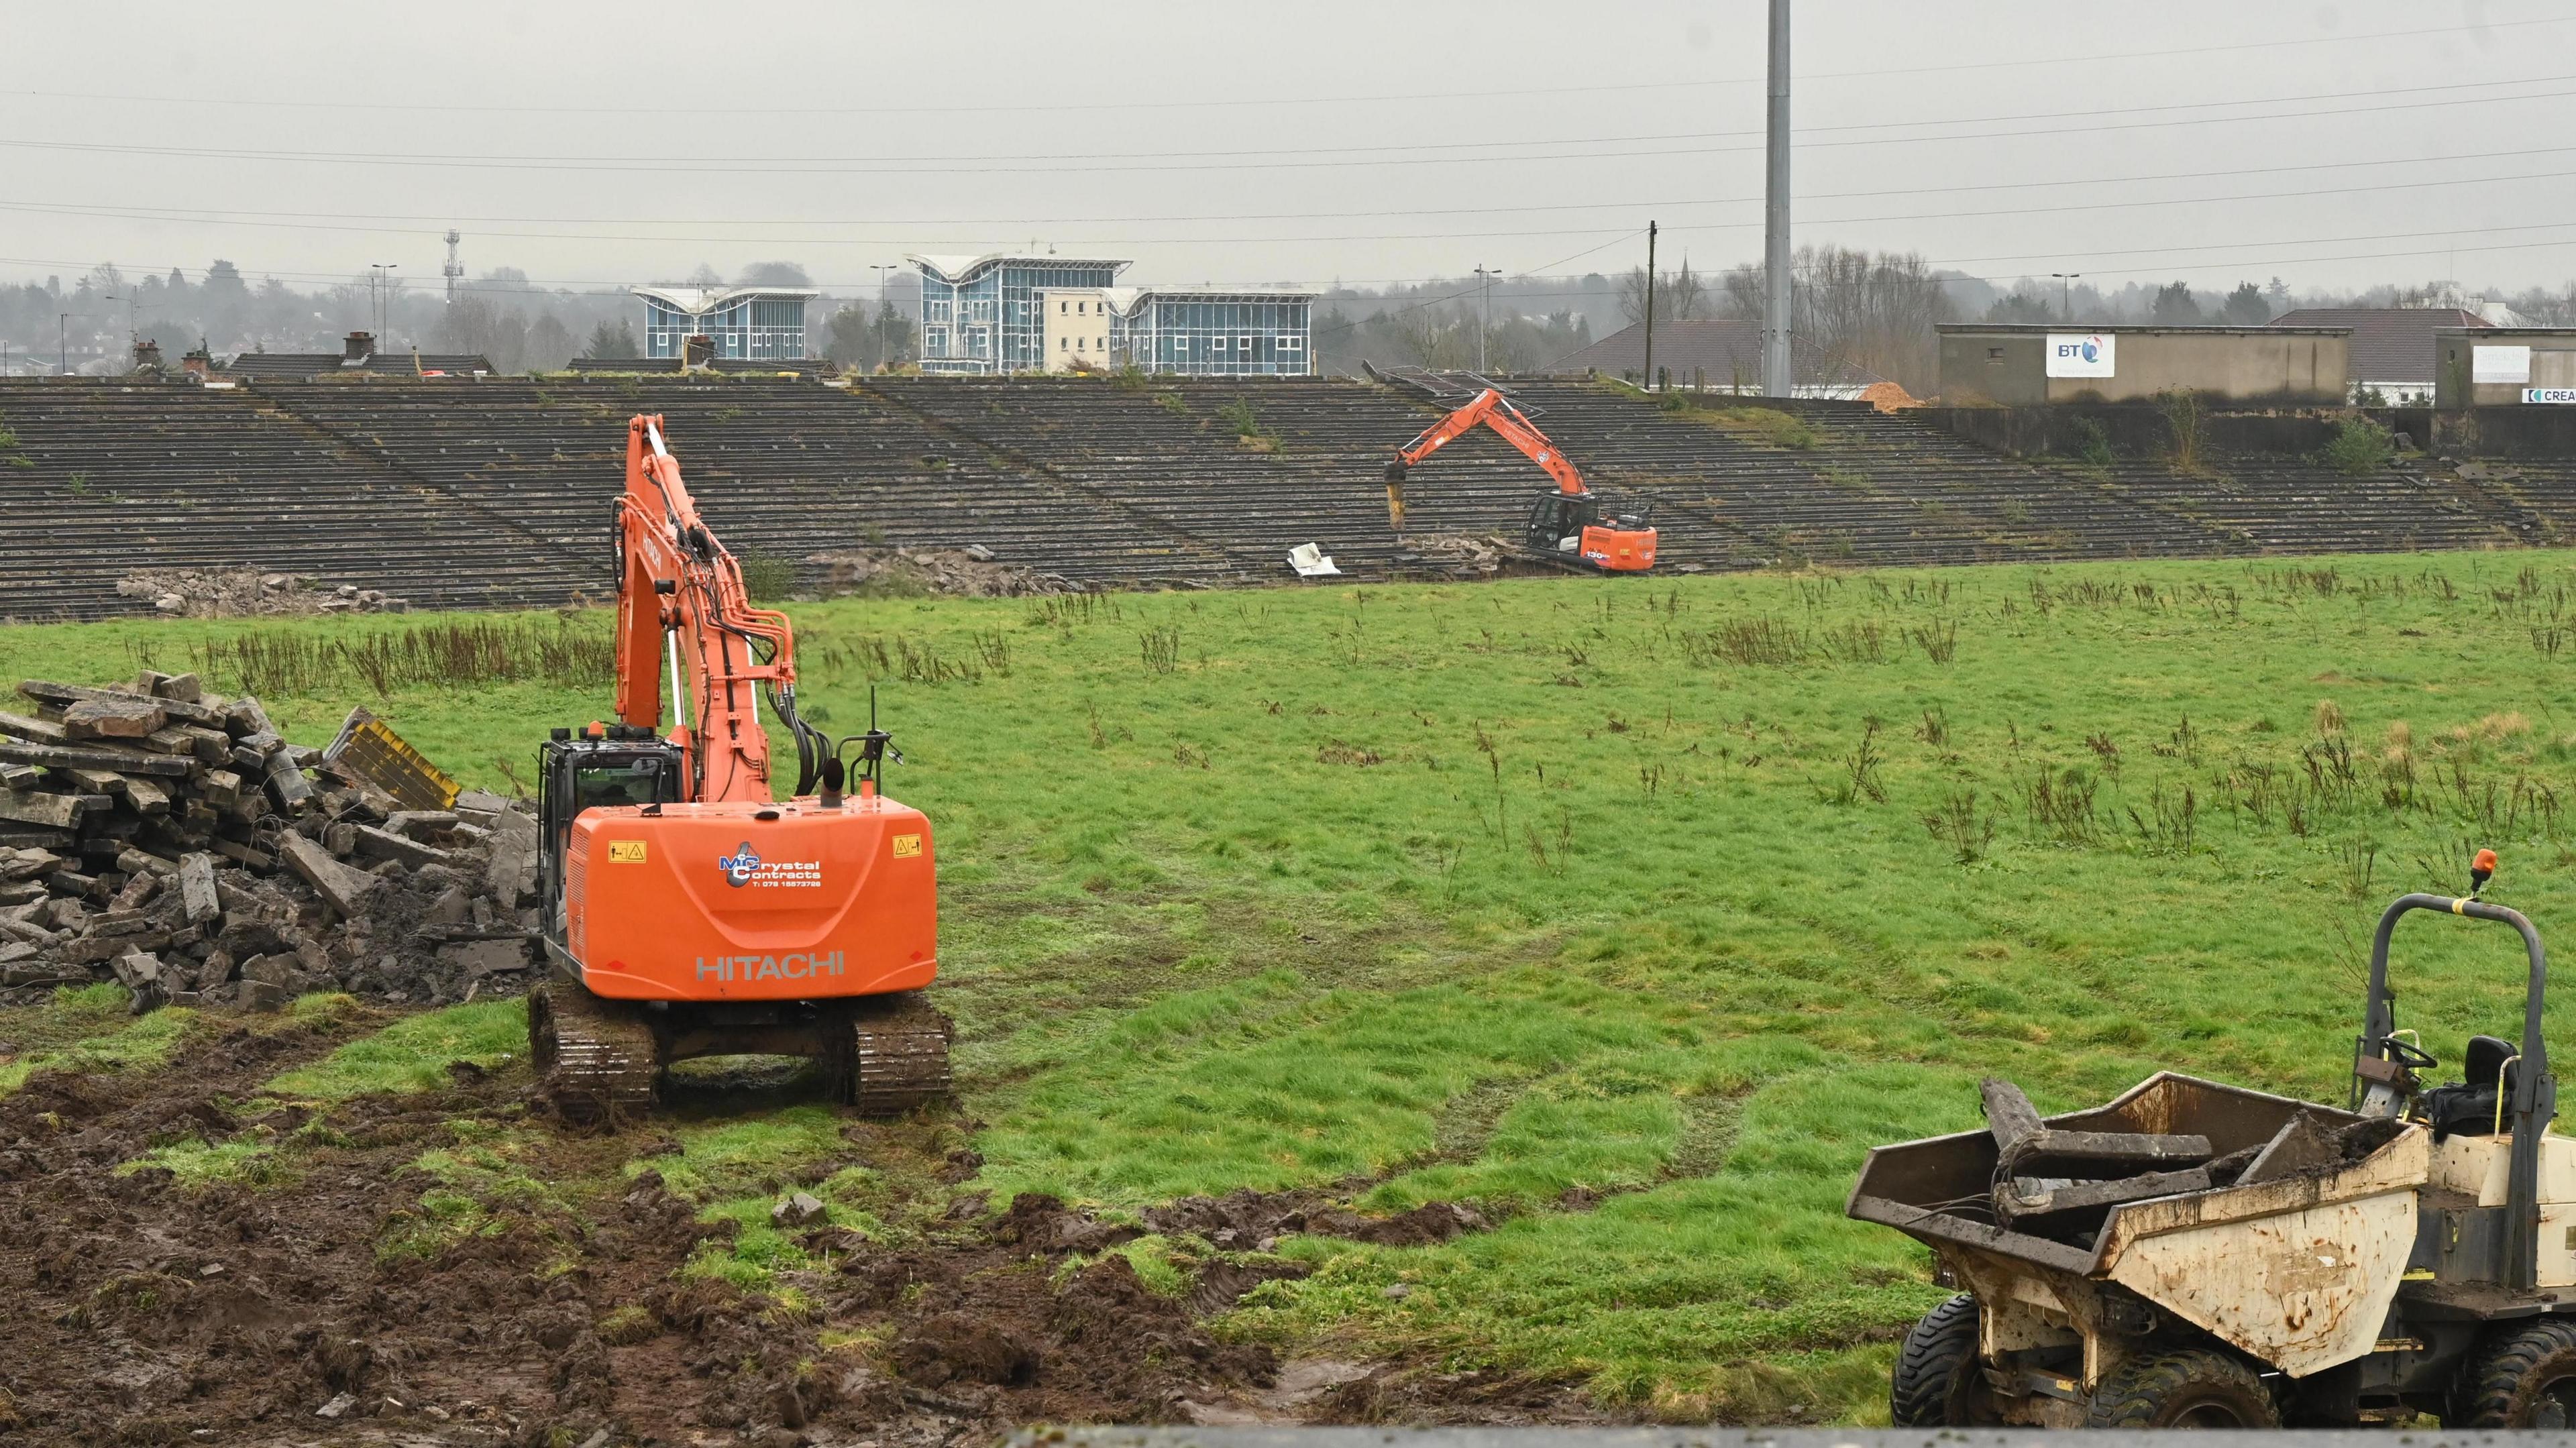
x=689, y=911
x=1569, y=525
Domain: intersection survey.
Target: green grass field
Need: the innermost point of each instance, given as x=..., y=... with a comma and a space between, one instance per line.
x=1680, y=892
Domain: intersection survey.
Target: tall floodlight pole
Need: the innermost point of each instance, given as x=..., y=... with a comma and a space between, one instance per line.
x=1486, y=276
x=1650, y=306
x=1776, y=379
x=2066, y=294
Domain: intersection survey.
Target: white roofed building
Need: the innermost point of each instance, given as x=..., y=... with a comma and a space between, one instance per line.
x=979, y=314
x=751, y=324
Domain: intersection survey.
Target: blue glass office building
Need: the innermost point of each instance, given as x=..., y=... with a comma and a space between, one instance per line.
x=756, y=324
x=1206, y=332
x=981, y=315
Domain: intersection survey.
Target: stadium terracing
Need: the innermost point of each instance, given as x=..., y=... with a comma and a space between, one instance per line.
x=495, y=493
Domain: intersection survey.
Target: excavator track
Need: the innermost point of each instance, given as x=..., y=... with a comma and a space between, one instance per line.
x=596, y=1060
x=899, y=1054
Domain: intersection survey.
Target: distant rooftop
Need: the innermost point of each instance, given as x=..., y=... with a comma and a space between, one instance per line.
x=960, y=267
x=694, y=300
x=357, y=354
x=2389, y=344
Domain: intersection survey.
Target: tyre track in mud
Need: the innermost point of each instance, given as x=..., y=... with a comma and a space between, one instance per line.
x=141, y=1310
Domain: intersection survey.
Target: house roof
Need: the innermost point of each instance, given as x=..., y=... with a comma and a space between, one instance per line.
x=961, y=266
x=289, y=365
x=2389, y=344
x=694, y=300
x=1722, y=349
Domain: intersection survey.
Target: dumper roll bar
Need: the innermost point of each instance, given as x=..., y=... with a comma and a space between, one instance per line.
x=2535, y=1091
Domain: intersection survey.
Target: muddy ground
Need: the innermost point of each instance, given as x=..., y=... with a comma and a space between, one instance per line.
x=136, y=1308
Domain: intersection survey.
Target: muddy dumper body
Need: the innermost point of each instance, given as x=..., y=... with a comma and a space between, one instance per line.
x=2199, y=1254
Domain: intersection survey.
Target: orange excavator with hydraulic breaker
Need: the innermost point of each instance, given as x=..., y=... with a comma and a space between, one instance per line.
x=1570, y=525
x=688, y=910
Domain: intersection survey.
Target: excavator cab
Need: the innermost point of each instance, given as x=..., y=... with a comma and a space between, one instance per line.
x=1579, y=529
x=604, y=764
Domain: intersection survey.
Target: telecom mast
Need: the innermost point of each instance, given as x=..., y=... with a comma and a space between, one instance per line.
x=454, y=269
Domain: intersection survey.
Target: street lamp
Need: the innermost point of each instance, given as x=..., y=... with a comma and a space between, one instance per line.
x=383, y=285
x=128, y=299
x=2066, y=293
x=881, y=268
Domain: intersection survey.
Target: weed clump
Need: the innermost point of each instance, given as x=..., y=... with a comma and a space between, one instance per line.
x=2360, y=446
x=1767, y=425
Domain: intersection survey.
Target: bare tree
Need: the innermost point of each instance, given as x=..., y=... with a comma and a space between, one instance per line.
x=1679, y=295
x=1855, y=311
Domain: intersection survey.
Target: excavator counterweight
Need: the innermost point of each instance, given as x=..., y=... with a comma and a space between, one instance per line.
x=688, y=910
x=1568, y=525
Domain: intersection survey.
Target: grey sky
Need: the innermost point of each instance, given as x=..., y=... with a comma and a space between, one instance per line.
x=1316, y=142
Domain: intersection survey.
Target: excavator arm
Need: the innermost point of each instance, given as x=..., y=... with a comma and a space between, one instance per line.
x=682, y=611
x=1491, y=409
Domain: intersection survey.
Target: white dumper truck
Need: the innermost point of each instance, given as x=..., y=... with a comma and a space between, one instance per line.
x=2200, y=1255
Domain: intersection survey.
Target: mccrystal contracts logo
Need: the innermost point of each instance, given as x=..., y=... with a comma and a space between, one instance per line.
x=745, y=867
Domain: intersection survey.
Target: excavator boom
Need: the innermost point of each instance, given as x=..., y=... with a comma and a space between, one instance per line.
x=682, y=613
x=1566, y=526
x=1491, y=409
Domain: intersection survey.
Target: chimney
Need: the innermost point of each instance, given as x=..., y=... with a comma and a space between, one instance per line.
x=697, y=351
x=358, y=348
x=147, y=355
x=198, y=362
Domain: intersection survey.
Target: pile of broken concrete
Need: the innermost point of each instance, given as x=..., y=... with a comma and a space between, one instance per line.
x=970, y=572
x=157, y=835
x=250, y=592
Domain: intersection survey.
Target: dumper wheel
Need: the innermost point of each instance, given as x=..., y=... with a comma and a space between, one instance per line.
x=2191, y=1389
x=2525, y=1378
x=1935, y=1382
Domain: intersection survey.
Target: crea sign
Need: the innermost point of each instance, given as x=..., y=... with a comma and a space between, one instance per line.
x=2081, y=354
x=2562, y=395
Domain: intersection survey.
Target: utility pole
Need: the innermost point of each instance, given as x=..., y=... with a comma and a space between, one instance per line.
x=1650, y=306
x=1485, y=275
x=454, y=271
x=1776, y=319
x=63, y=345
x=2066, y=294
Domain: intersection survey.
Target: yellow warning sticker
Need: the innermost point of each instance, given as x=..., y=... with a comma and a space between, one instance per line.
x=907, y=846
x=626, y=852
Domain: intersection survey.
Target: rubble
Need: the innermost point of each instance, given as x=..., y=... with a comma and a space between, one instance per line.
x=250, y=592
x=971, y=572
x=174, y=841
x=2061, y=1184
x=1461, y=553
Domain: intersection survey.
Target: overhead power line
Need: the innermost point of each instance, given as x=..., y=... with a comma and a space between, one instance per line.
x=881, y=242
x=1237, y=102
x=442, y=219
x=1315, y=157
x=2152, y=262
